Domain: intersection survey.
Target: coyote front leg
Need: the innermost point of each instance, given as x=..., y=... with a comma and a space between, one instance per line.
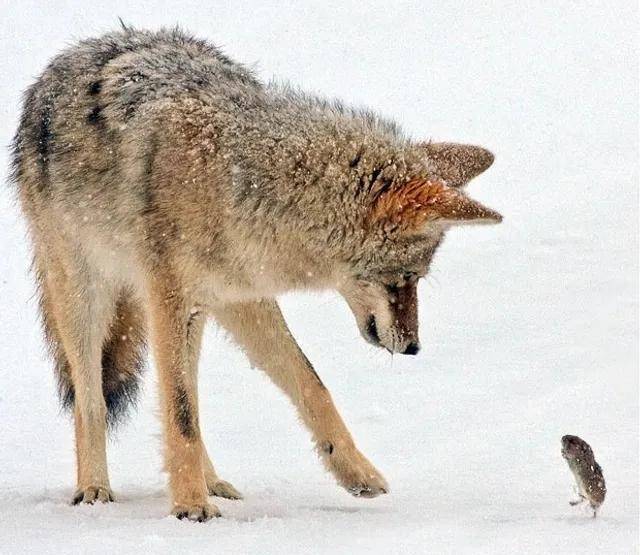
x=175, y=338
x=259, y=328
x=216, y=486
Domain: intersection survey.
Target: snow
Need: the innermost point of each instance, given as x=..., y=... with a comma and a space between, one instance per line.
x=529, y=329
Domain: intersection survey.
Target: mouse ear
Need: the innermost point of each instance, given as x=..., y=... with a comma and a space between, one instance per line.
x=455, y=163
x=413, y=206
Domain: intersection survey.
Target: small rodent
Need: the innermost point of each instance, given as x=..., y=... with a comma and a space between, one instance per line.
x=587, y=472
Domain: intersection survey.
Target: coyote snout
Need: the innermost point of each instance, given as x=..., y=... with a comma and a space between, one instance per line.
x=386, y=311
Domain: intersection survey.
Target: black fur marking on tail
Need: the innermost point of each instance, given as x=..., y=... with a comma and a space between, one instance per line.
x=120, y=389
x=65, y=388
x=120, y=395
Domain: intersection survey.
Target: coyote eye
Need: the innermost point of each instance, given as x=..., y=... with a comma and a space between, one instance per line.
x=410, y=276
x=402, y=279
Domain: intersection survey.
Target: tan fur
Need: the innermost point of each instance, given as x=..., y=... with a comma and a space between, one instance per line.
x=163, y=184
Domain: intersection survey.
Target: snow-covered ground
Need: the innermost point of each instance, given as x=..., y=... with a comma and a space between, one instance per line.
x=529, y=329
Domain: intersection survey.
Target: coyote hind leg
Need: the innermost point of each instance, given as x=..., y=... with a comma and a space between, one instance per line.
x=215, y=486
x=79, y=307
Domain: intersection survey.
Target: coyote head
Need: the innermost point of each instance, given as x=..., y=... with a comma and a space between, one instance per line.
x=402, y=222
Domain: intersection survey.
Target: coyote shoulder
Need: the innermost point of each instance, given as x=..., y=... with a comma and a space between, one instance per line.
x=164, y=184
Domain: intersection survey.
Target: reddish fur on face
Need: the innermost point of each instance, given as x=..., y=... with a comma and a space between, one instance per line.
x=412, y=205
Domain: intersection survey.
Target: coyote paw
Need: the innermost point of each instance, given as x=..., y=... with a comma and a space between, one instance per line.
x=196, y=513
x=368, y=490
x=355, y=473
x=91, y=494
x=221, y=488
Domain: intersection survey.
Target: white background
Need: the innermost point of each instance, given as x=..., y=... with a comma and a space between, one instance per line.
x=529, y=329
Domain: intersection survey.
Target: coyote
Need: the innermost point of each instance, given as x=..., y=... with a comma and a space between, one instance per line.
x=164, y=184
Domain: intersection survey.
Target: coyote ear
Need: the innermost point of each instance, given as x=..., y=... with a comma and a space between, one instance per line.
x=456, y=163
x=414, y=205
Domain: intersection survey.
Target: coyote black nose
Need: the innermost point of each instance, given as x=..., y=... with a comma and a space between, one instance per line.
x=412, y=349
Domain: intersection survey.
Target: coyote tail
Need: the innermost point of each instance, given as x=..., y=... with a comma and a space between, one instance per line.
x=123, y=354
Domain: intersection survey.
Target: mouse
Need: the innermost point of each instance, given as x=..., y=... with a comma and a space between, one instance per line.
x=586, y=471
